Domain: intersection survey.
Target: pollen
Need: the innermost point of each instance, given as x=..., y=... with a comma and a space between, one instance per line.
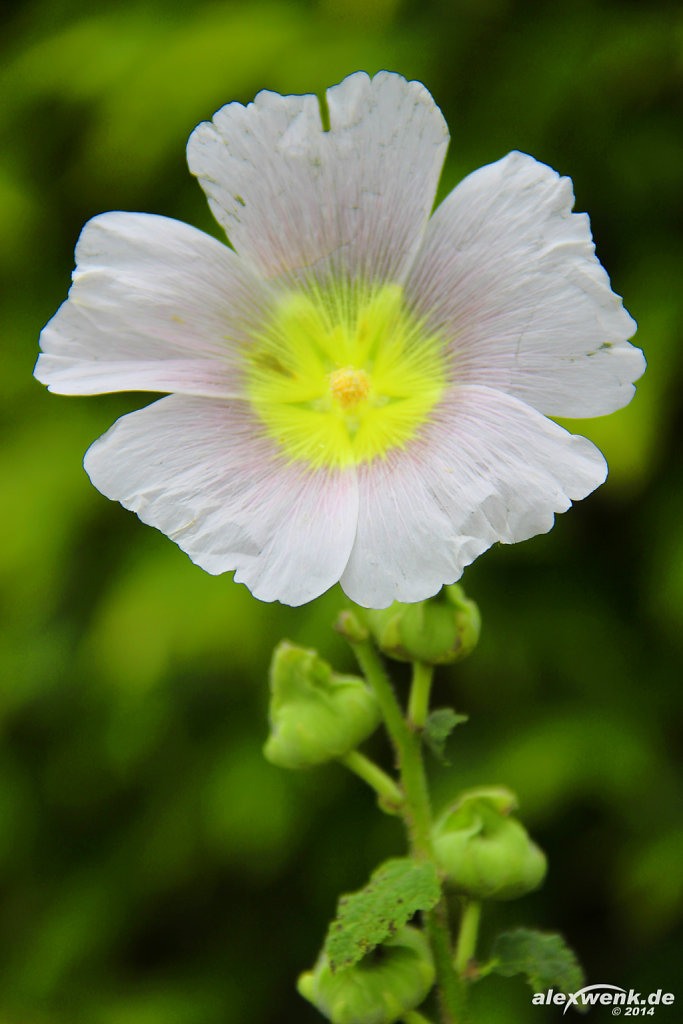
x=349, y=386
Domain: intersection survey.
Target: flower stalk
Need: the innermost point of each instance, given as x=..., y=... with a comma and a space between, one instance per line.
x=467, y=936
x=418, y=703
x=415, y=1017
x=416, y=810
x=389, y=795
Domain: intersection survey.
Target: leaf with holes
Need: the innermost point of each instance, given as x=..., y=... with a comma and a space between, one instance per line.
x=396, y=891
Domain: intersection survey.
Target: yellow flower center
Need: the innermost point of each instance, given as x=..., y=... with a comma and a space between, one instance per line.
x=343, y=376
x=349, y=386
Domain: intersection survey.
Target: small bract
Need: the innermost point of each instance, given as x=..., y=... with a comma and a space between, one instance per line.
x=357, y=391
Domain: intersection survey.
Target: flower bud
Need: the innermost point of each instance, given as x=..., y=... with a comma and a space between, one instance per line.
x=350, y=627
x=315, y=714
x=436, y=632
x=485, y=853
x=392, y=979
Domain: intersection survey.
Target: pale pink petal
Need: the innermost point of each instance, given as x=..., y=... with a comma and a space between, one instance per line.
x=201, y=471
x=155, y=305
x=487, y=468
x=510, y=276
x=353, y=200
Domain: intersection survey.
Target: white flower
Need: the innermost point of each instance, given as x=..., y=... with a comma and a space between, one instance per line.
x=359, y=392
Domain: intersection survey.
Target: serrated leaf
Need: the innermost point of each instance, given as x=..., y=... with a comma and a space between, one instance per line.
x=543, y=957
x=438, y=727
x=396, y=890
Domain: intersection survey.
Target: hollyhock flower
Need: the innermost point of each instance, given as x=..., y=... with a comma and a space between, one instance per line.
x=357, y=391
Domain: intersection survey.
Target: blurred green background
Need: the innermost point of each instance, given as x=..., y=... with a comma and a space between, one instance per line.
x=154, y=869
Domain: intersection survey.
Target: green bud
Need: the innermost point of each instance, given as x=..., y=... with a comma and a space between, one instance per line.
x=393, y=978
x=315, y=714
x=484, y=852
x=437, y=632
x=350, y=627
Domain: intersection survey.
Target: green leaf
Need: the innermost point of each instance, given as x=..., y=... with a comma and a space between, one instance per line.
x=396, y=891
x=543, y=957
x=438, y=727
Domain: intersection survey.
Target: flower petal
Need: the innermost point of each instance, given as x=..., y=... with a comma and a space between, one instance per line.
x=355, y=199
x=200, y=471
x=155, y=305
x=488, y=468
x=510, y=275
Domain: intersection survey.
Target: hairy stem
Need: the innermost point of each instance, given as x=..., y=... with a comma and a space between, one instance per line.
x=416, y=813
x=451, y=990
x=416, y=809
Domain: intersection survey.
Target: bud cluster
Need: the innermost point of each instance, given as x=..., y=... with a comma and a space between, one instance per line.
x=477, y=848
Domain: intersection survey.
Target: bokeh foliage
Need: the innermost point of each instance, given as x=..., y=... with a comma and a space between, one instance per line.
x=154, y=869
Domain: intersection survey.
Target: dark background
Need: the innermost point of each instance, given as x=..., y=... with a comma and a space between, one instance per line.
x=154, y=869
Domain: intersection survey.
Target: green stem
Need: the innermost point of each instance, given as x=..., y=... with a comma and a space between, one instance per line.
x=467, y=936
x=415, y=1017
x=390, y=796
x=418, y=704
x=406, y=745
x=452, y=992
x=417, y=816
